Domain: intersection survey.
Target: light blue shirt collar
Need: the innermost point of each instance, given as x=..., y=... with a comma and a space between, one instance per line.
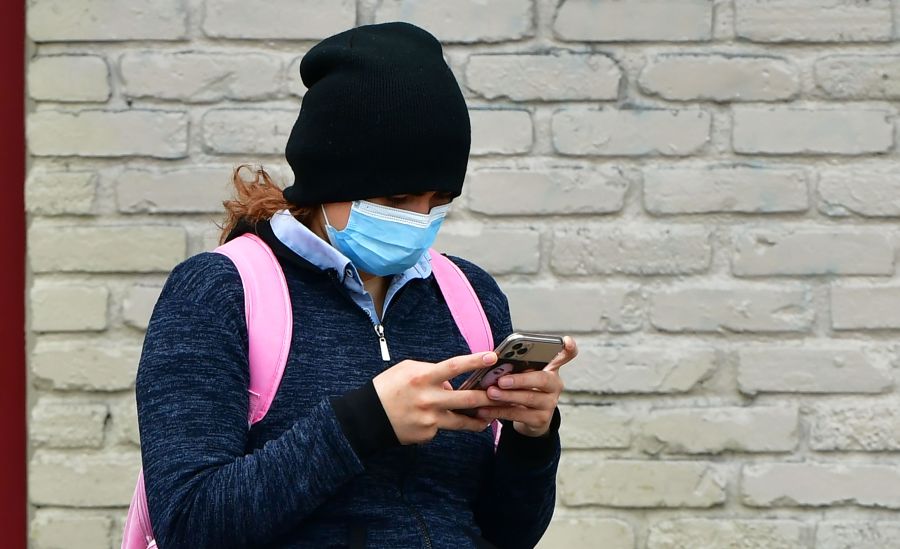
x=307, y=244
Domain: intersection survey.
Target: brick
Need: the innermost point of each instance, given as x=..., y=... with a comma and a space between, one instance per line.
x=699, y=533
x=192, y=190
x=209, y=240
x=463, y=20
x=286, y=19
x=200, y=77
x=261, y=131
x=833, y=534
x=725, y=189
x=82, y=480
x=634, y=21
x=157, y=134
x=138, y=305
x=608, y=533
x=718, y=429
x=62, y=529
x=813, y=20
x=124, y=428
x=589, y=426
x=723, y=78
x=50, y=78
x=611, y=308
x=585, y=479
x=771, y=309
x=813, y=369
x=501, y=131
x=865, y=308
x=149, y=248
x=295, y=85
x=60, y=193
x=69, y=308
x=593, y=190
x=545, y=77
x=859, y=426
x=645, y=369
x=498, y=251
x=859, y=76
x=896, y=21
x=634, y=132
x=790, y=252
x=858, y=190
x=820, y=484
x=106, y=20
x=794, y=130
x=84, y=365
x=591, y=250
x=59, y=423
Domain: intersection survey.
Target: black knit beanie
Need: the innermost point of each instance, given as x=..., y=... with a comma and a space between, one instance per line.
x=383, y=115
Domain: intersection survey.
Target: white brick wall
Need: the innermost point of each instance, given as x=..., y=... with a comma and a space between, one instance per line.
x=704, y=192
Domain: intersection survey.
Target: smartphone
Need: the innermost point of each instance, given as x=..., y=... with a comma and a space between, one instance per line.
x=517, y=353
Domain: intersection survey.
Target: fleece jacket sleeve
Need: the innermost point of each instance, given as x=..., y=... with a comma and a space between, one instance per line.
x=202, y=489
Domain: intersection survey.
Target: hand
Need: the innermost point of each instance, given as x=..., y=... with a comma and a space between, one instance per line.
x=529, y=399
x=418, y=398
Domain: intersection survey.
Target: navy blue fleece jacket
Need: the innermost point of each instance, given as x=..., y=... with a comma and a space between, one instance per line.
x=323, y=469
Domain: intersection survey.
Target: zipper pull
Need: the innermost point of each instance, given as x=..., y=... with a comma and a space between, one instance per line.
x=385, y=354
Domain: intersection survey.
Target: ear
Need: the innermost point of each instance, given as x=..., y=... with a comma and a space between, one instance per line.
x=337, y=214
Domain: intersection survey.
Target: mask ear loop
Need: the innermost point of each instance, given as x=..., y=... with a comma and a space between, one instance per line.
x=328, y=227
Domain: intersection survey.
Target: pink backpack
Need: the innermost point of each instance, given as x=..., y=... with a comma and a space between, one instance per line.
x=267, y=307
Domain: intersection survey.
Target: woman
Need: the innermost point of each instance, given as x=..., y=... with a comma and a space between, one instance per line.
x=361, y=446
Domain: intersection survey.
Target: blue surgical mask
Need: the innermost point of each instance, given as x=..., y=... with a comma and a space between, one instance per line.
x=385, y=241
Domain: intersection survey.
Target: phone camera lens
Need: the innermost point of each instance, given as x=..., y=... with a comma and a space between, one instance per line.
x=510, y=354
x=517, y=346
x=521, y=351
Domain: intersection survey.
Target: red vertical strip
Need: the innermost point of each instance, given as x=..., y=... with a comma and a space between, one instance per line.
x=13, y=437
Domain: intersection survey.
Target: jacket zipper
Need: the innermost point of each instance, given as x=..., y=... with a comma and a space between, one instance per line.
x=422, y=526
x=379, y=328
x=386, y=356
x=379, y=331
x=420, y=521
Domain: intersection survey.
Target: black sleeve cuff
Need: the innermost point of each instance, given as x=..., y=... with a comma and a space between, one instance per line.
x=530, y=452
x=364, y=421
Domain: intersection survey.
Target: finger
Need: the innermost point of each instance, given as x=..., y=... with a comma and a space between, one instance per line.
x=462, y=400
x=530, y=399
x=542, y=380
x=569, y=352
x=447, y=387
x=452, y=367
x=459, y=422
x=528, y=416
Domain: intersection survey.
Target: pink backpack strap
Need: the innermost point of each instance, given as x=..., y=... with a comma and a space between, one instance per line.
x=463, y=303
x=138, y=533
x=270, y=322
x=466, y=310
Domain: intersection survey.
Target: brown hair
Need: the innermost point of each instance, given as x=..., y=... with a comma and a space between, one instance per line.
x=256, y=200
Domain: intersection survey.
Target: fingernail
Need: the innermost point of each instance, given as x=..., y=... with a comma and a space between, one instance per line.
x=489, y=358
x=505, y=382
x=493, y=393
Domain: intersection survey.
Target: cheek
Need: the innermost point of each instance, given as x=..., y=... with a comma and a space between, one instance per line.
x=338, y=214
